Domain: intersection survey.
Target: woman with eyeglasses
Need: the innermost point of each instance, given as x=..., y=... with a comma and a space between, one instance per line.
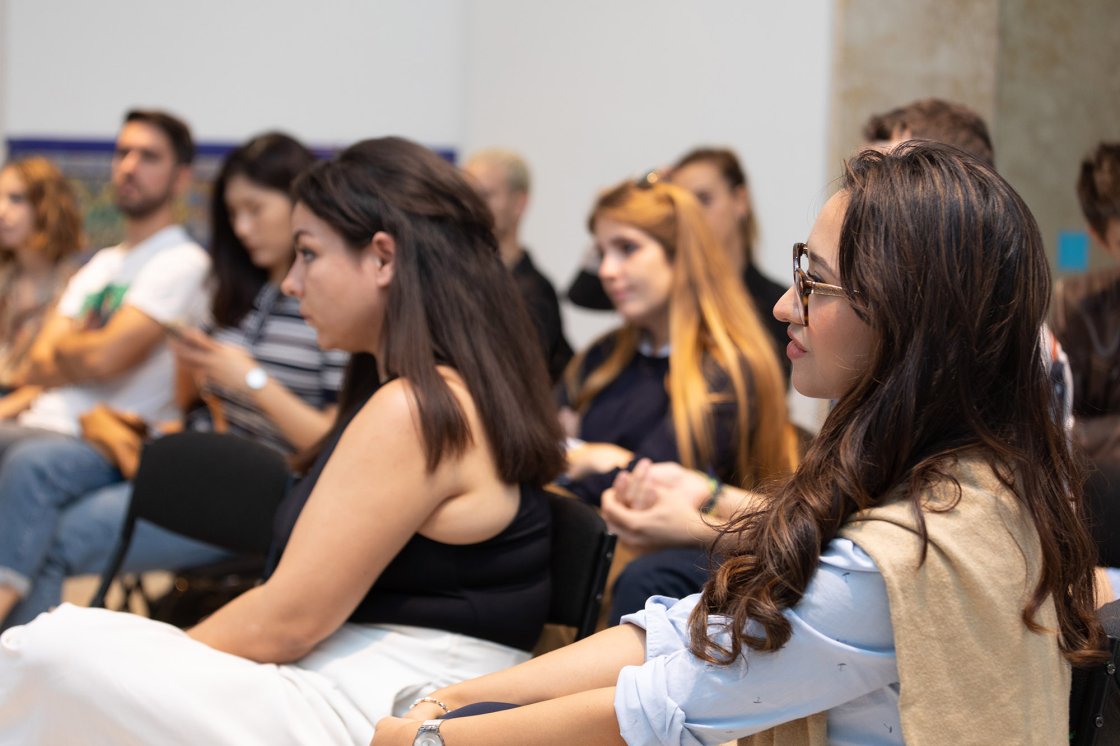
x=414, y=553
x=690, y=376
x=925, y=576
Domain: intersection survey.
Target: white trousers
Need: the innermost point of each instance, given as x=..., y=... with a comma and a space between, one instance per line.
x=101, y=678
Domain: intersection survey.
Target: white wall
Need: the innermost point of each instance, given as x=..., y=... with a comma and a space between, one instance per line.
x=330, y=71
x=589, y=91
x=592, y=92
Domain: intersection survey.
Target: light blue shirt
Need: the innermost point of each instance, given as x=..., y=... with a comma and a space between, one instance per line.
x=839, y=658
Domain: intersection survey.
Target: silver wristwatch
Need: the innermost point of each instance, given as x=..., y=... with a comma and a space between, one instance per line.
x=428, y=735
x=256, y=378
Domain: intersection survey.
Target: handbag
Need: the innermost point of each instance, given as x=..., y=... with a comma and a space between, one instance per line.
x=118, y=436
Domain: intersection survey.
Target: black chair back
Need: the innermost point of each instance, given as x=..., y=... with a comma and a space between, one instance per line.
x=1094, y=702
x=216, y=488
x=582, y=550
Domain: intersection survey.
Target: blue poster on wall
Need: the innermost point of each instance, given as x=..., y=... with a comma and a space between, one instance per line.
x=1073, y=251
x=87, y=163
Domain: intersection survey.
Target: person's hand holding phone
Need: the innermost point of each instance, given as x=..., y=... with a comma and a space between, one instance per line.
x=211, y=362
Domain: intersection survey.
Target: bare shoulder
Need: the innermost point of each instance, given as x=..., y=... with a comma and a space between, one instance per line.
x=393, y=414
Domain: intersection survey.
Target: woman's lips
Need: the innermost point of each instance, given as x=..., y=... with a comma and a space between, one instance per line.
x=617, y=295
x=794, y=350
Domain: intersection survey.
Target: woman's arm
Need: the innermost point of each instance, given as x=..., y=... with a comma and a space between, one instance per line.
x=373, y=495
x=186, y=389
x=18, y=400
x=41, y=369
x=586, y=718
x=658, y=505
x=596, y=458
x=841, y=649
x=591, y=663
x=301, y=424
x=570, y=691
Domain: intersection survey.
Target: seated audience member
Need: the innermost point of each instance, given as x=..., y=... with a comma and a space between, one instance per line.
x=932, y=119
x=957, y=125
x=502, y=178
x=689, y=377
x=1087, y=313
x=416, y=551
x=1086, y=318
x=40, y=235
x=719, y=183
x=934, y=490
x=257, y=361
x=103, y=345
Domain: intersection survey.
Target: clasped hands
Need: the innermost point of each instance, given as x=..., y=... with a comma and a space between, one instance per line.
x=655, y=506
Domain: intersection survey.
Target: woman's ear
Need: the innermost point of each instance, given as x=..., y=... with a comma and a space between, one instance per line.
x=742, y=199
x=381, y=251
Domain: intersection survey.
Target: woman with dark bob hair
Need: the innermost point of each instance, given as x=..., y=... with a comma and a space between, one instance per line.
x=415, y=553
x=924, y=576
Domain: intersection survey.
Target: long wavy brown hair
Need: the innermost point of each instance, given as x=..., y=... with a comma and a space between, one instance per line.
x=711, y=321
x=947, y=266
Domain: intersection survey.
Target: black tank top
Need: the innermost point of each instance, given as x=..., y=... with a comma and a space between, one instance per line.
x=497, y=590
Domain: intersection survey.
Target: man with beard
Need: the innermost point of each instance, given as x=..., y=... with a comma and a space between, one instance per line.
x=103, y=344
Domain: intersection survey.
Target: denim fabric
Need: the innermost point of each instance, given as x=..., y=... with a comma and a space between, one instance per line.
x=41, y=475
x=85, y=538
x=11, y=433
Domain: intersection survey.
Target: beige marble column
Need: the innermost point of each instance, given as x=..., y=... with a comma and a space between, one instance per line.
x=890, y=53
x=1046, y=76
x=1057, y=96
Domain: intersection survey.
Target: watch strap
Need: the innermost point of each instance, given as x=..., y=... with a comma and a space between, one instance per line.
x=428, y=734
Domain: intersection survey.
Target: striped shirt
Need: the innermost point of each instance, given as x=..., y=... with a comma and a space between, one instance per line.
x=278, y=338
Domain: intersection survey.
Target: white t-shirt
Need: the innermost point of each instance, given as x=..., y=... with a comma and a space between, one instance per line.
x=164, y=277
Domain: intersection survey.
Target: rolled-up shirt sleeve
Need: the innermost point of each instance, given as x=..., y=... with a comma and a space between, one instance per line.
x=841, y=649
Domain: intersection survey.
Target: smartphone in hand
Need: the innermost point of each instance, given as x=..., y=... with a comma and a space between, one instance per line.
x=175, y=329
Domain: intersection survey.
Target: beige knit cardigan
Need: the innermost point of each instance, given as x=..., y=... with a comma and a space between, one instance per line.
x=970, y=671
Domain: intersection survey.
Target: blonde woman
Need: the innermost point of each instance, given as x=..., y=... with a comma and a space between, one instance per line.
x=690, y=377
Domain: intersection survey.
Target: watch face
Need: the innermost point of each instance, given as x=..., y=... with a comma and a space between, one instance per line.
x=428, y=735
x=256, y=379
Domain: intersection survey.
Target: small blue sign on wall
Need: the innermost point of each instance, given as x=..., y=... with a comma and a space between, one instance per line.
x=1073, y=251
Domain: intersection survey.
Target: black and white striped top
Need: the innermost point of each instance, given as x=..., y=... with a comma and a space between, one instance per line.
x=284, y=345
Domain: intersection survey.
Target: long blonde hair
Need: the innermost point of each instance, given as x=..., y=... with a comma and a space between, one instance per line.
x=711, y=321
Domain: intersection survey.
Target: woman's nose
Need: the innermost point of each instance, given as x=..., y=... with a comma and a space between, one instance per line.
x=788, y=307
x=608, y=266
x=292, y=283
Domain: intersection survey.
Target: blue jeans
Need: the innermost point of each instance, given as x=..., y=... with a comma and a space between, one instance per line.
x=42, y=474
x=84, y=540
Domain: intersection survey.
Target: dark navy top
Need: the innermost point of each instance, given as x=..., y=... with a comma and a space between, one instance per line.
x=496, y=590
x=634, y=412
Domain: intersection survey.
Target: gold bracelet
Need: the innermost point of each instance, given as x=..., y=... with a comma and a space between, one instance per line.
x=434, y=701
